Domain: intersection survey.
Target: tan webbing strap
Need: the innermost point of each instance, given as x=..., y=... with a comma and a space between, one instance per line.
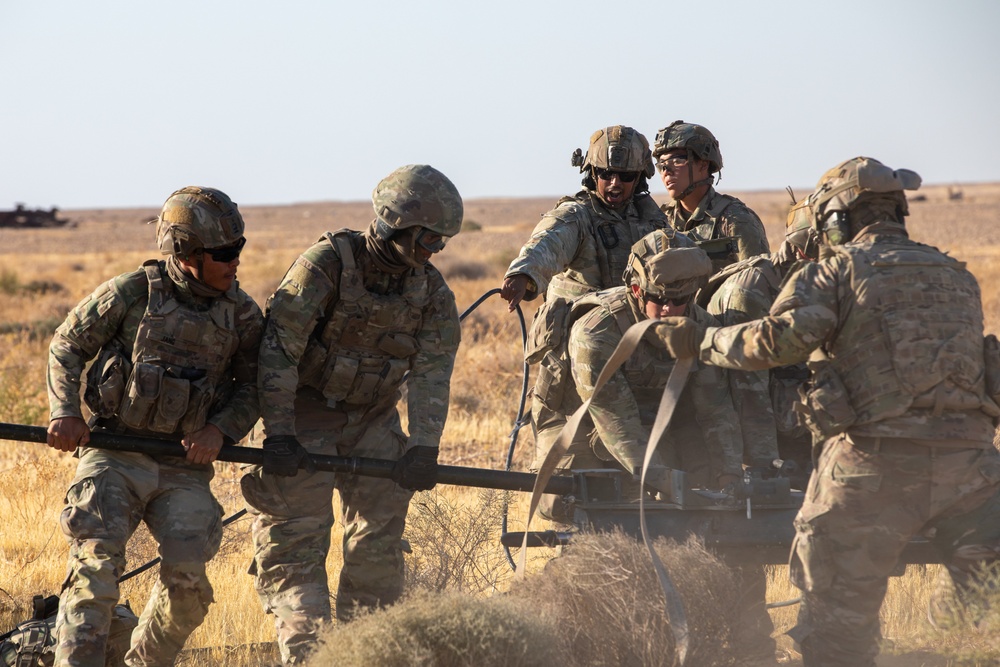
x=676, y=615
x=626, y=346
x=675, y=605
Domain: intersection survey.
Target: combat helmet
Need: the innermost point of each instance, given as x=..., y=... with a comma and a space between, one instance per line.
x=417, y=195
x=617, y=148
x=662, y=270
x=195, y=218
x=695, y=139
x=800, y=229
x=854, y=188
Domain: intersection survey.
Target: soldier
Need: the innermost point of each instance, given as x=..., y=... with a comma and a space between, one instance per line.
x=904, y=391
x=176, y=345
x=742, y=292
x=703, y=438
x=581, y=246
x=687, y=156
x=583, y=243
x=352, y=317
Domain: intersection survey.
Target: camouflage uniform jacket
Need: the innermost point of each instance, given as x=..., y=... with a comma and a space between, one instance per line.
x=110, y=317
x=900, y=325
x=582, y=245
x=625, y=408
x=721, y=216
x=294, y=354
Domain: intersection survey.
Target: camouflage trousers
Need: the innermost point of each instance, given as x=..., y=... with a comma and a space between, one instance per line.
x=752, y=401
x=293, y=517
x=867, y=498
x=110, y=494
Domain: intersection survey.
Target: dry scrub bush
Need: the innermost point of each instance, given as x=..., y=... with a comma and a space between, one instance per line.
x=455, y=545
x=605, y=599
x=443, y=630
x=968, y=632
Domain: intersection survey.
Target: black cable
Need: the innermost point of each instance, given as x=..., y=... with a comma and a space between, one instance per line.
x=519, y=420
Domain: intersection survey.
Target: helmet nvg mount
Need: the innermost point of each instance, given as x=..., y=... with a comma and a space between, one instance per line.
x=851, y=183
x=616, y=148
x=662, y=270
x=695, y=139
x=194, y=218
x=417, y=195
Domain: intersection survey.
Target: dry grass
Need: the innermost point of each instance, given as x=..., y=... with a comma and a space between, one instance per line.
x=44, y=272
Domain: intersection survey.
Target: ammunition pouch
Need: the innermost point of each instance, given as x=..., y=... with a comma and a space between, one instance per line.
x=826, y=405
x=158, y=401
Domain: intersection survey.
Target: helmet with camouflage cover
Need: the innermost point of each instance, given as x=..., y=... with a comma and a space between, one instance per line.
x=417, y=195
x=800, y=230
x=696, y=139
x=194, y=218
x=659, y=268
x=856, y=193
x=617, y=148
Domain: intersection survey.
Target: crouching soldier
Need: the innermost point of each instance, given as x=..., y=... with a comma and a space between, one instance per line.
x=703, y=438
x=176, y=347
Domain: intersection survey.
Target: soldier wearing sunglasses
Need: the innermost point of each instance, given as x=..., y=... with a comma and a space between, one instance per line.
x=583, y=243
x=176, y=346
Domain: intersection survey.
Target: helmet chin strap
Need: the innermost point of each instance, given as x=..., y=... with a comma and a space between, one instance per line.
x=694, y=185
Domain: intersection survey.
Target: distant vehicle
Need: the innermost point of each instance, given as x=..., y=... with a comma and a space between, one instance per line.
x=24, y=218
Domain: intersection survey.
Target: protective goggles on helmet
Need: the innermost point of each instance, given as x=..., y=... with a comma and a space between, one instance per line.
x=430, y=241
x=608, y=174
x=228, y=253
x=667, y=162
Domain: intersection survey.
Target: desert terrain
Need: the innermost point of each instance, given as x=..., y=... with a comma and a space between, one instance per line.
x=45, y=272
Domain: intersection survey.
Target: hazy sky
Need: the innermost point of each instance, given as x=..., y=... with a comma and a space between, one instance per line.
x=115, y=103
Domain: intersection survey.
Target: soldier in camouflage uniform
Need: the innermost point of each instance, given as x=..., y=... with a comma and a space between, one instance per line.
x=687, y=156
x=353, y=315
x=703, y=439
x=904, y=391
x=742, y=292
x=583, y=244
x=176, y=347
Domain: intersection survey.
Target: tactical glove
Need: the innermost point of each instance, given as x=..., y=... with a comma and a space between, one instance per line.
x=417, y=470
x=681, y=336
x=283, y=454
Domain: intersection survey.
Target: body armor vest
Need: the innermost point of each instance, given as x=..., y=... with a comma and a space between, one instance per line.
x=612, y=238
x=179, y=360
x=913, y=335
x=364, y=348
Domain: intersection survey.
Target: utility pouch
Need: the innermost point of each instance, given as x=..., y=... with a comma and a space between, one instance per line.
x=826, y=405
x=547, y=329
x=399, y=345
x=143, y=390
x=106, y=382
x=550, y=383
x=338, y=377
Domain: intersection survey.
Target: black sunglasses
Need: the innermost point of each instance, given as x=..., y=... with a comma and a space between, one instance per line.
x=227, y=253
x=623, y=176
x=661, y=301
